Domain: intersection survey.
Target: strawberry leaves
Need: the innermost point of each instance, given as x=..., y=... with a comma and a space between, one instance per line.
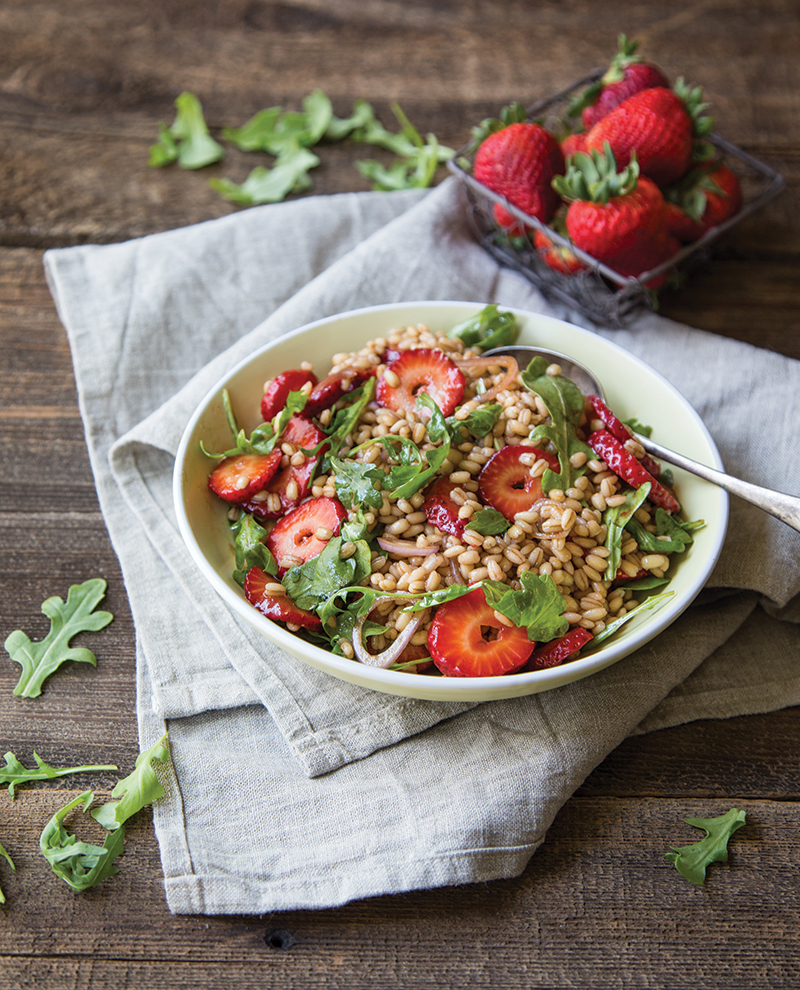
x=692, y=861
x=39, y=660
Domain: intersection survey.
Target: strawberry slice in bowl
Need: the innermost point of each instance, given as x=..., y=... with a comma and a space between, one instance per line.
x=278, y=607
x=421, y=369
x=303, y=532
x=277, y=391
x=466, y=639
x=292, y=483
x=237, y=479
x=325, y=393
x=506, y=484
x=441, y=510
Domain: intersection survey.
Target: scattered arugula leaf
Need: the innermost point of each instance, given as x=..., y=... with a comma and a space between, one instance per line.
x=277, y=131
x=14, y=773
x=487, y=329
x=249, y=548
x=140, y=788
x=187, y=142
x=616, y=519
x=488, y=522
x=691, y=861
x=271, y=185
x=10, y=862
x=67, y=619
x=537, y=607
x=341, y=127
x=416, y=162
x=564, y=402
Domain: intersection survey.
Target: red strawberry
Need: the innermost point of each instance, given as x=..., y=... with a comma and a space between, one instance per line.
x=279, y=608
x=294, y=536
x=558, y=257
x=237, y=479
x=703, y=199
x=293, y=482
x=657, y=126
x=572, y=144
x=440, y=509
x=422, y=369
x=617, y=217
x=467, y=640
x=627, y=74
x=619, y=431
x=277, y=392
x=333, y=387
x=505, y=483
x=556, y=652
x=629, y=469
x=519, y=162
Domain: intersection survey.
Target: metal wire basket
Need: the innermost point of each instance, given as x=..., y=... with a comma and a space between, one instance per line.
x=597, y=291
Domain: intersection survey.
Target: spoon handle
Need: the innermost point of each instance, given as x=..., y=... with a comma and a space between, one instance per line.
x=784, y=507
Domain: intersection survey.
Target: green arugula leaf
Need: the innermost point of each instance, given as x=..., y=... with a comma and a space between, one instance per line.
x=418, y=159
x=488, y=522
x=564, y=402
x=432, y=599
x=345, y=418
x=647, y=583
x=79, y=864
x=671, y=536
x=277, y=131
x=271, y=185
x=616, y=519
x=480, y=422
x=537, y=607
x=637, y=427
x=692, y=861
x=311, y=584
x=340, y=127
x=355, y=483
x=250, y=549
x=187, y=141
x=140, y=788
x=438, y=433
x=14, y=773
x=10, y=862
x=264, y=437
x=67, y=619
x=651, y=604
x=487, y=329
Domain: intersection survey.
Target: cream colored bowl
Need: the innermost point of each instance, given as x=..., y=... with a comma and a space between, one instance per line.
x=633, y=390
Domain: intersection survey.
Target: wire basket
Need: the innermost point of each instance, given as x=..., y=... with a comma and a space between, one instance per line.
x=597, y=291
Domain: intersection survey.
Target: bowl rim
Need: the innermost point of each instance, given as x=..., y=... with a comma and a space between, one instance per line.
x=441, y=688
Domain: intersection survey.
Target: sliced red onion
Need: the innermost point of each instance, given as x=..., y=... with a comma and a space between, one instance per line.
x=404, y=548
x=392, y=653
x=487, y=362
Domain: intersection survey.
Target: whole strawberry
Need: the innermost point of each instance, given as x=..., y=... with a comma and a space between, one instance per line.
x=620, y=218
x=627, y=74
x=661, y=125
x=520, y=162
x=704, y=198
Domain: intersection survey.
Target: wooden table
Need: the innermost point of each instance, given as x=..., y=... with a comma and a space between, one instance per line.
x=82, y=87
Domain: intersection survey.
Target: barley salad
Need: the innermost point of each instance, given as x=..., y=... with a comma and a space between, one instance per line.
x=425, y=509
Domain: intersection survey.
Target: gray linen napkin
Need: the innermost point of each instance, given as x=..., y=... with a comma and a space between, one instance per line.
x=290, y=788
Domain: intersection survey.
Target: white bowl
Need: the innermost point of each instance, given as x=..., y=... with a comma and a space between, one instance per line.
x=633, y=390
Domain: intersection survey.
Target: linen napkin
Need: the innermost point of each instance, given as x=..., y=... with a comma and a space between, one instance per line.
x=289, y=788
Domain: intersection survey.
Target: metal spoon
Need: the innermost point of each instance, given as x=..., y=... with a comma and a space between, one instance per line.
x=778, y=504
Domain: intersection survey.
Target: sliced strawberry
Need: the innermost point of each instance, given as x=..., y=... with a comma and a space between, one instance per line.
x=237, y=479
x=556, y=652
x=422, y=369
x=279, y=608
x=302, y=433
x=332, y=388
x=631, y=470
x=294, y=538
x=440, y=509
x=505, y=483
x=277, y=392
x=466, y=639
x=620, y=432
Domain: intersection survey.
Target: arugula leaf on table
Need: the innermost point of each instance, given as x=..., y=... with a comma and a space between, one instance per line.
x=417, y=160
x=616, y=520
x=537, y=607
x=67, y=619
x=10, y=862
x=564, y=402
x=187, y=141
x=140, y=788
x=271, y=185
x=488, y=522
x=487, y=329
x=249, y=548
x=691, y=861
x=341, y=127
x=480, y=422
x=14, y=773
x=277, y=131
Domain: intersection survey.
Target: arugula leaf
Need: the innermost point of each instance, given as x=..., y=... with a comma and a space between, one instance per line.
x=432, y=599
x=647, y=583
x=537, y=607
x=313, y=583
x=637, y=427
x=348, y=415
x=438, y=433
x=418, y=160
x=67, y=619
x=14, y=773
x=187, y=141
x=250, y=549
x=653, y=603
x=271, y=185
x=480, y=422
x=486, y=329
x=691, y=861
x=340, y=127
x=79, y=864
x=488, y=522
x=10, y=862
x=355, y=483
x=671, y=536
x=616, y=519
x=277, y=131
x=564, y=402
x=140, y=788
x=264, y=437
